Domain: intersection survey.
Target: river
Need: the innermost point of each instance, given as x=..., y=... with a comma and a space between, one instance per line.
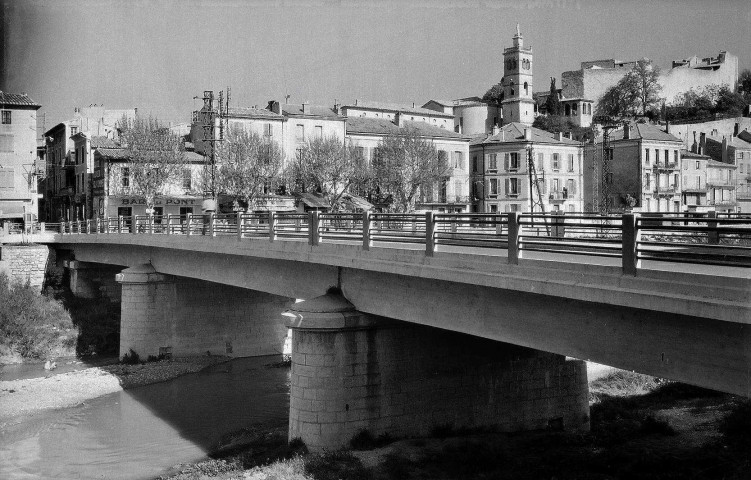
x=144, y=432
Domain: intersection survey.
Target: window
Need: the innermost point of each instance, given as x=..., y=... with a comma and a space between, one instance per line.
x=125, y=177
x=7, y=179
x=571, y=186
x=124, y=211
x=698, y=166
x=646, y=156
x=540, y=162
x=511, y=161
x=647, y=182
x=268, y=130
x=457, y=189
x=187, y=179
x=657, y=157
x=300, y=133
x=741, y=167
x=6, y=143
x=556, y=162
x=474, y=163
x=73, y=130
x=494, y=208
x=512, y=186
x=458, y=160
x=6, y=117
x=319, y=131
x=570, y=162
x=526, y=88
x=675, y=156
x=667, y=156
x=443, y=157
x=492, y=162
x=493, y=187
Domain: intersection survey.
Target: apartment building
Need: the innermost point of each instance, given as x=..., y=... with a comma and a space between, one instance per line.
x=500, y=173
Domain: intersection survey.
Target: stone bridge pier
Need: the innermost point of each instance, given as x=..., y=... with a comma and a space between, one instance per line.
x=164, y=314
x=353, y=371
x=93, y=280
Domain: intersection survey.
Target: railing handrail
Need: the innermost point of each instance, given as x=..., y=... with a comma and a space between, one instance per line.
x=689, y=237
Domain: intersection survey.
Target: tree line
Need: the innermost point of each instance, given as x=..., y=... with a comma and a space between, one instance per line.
x=249, y=166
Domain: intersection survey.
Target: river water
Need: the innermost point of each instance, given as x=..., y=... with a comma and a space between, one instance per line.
x=145, y=431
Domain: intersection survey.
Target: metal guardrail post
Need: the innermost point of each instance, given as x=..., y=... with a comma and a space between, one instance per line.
x=430, y=243
x=169, y=225
x=212, y=230
x=272, y=226
x=314, y=235
x=713, y=236
x=42, y=227
x=514, y=238
x=239, y=225
x=120, y=224
x=188, y=221
x=98, y=225
x=629, y=243
x=366, y=242
x=133, y=224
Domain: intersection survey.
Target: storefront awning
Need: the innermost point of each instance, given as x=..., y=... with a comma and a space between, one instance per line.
x=313, y=200
x=12, y=209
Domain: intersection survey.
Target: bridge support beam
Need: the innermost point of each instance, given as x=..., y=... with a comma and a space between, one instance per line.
x=183, y=317
x=352, y=372
x=93, y=280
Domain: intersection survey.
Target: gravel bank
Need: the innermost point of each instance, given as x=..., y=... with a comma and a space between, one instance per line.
x=28, y=396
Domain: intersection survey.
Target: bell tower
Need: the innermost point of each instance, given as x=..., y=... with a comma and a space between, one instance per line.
x=517, y=104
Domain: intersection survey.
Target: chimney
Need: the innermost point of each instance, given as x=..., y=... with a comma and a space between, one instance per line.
x=305, y=108
x=528, y=134
x=724, y=149
x=413, y=104
x=274, y=106
x=399, y=119
x=702, y=143
x=355, y=102
x=495, y=130
x=567, y=135
x=667, y=126
x=626, y=131
x=559, y=136
x=694, y=146
x=337, y=105
x=736, y=129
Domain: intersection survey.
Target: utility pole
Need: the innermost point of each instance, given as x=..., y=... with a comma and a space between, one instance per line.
x=605, y=179
x=207, y=118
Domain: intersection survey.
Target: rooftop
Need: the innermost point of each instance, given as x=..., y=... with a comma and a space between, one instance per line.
x=17, y=99
x=384, y=126
x=395, y=107
x=642, y=131
x=292, y=109
x=253, y=112
x=689, y=155
x=514, y=132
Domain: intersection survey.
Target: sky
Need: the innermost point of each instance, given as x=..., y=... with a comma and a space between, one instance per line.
x=159, y=55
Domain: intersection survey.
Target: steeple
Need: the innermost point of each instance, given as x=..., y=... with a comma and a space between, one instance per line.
x=518, y=39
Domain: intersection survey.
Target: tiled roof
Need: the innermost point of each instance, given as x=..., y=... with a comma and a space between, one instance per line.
x=395, y=107
x=253, y=112
x=122, y=154
x=643, y=131
x=715, y=163
x=313, y=110
x=694, y=156
x=17, y=99
x=383, y=126
x=102, y=142
x=732, y=141
x=745, y=136
x=514, y=132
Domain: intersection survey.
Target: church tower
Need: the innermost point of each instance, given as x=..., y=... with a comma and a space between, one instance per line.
x=517, y=104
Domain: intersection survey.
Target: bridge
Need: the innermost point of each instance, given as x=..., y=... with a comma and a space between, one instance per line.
x=480, y=315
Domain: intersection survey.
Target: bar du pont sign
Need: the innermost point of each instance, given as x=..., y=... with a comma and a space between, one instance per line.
x=131, y=201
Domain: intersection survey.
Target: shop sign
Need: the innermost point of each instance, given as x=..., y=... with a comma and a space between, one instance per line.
x=160, y=201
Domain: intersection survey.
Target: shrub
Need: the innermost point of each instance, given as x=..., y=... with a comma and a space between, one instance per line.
x=32, y=324
x=336, y=465
x=131, y=358
x=736, y=426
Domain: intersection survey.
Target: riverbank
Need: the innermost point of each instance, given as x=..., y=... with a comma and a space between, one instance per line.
x=641, y=427
x=25, y=397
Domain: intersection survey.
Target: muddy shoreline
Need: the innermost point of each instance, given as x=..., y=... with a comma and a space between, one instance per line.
x=21, y=399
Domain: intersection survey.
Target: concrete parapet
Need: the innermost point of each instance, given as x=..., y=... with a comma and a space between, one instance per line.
x=180, y=316
x=360, y=372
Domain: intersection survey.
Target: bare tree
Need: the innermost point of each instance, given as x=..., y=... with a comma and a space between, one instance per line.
x=248, y=165
x=156, y=157
x=405, y=164
x=328, y=166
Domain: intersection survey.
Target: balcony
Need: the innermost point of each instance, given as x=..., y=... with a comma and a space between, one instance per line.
x=666, y=166
x=558, y=197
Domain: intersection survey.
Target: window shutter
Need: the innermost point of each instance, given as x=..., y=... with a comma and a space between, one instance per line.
x=573, y=187
x=505, y=185
x=506, y=157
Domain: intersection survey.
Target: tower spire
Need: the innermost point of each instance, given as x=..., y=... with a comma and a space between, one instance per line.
x=518, y=33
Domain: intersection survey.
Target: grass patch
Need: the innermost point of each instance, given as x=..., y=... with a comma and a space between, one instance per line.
x=622, y=383
x=131, y=358
x=364, y=440
x=336, y=465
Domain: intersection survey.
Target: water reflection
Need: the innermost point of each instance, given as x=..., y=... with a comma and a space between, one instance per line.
x=141, y=433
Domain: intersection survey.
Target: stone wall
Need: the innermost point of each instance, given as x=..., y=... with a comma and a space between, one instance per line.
x=188, y=317
x=719, y=128
x=406, y=380
x=25, y=263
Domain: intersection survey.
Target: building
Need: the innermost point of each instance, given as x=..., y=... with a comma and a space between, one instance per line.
x=303, y=122
x=743, y=175
x=500, y=173
x=452, y=195
x=61, y=203
x=471, y=115
x=644, y=171
x=594, y=78
x=577, y=110
x=721, y=183
x=434, y=117
x=735, y=152
x=18, y=154
x=694, y=186
x=517, y=103
x=113, y=194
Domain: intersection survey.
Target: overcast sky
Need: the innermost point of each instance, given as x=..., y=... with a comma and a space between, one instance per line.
x=158, y=55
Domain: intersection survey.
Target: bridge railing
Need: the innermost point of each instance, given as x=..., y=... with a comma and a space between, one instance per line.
x=702, y=238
